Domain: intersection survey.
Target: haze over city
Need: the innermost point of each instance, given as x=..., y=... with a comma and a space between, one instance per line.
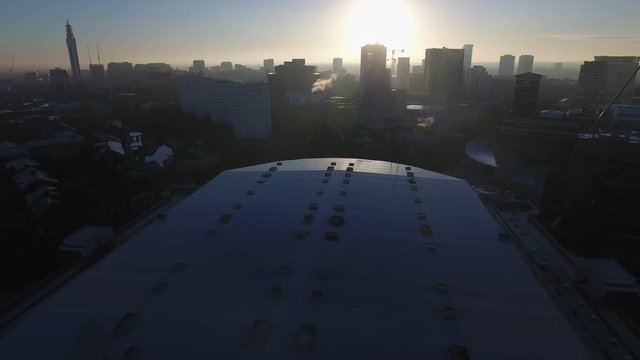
x=247, y=31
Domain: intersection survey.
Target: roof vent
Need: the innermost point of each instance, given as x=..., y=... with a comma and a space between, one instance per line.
x=352, y=164
x=336, y=220
x=417, y=200
x=251, y=193
x=422, y=216
x=333, y=163
x=236, y=206
x=212, y=232
x=179, y=267
x=458, y=352
x=133, y=353
x=305, y=337
x=330, y=168
x=320, y=192
x=307, y=219
x=408, y=168
x=226, y=218
x=276, y=292
x=410, y=174
x=442, y=288
x=273, y=169
x=313, y=206
x=266, y=175
x=448, y=312
x=127, y=322
x=317, y=295
x=327, y=174
x=350, y=169
x=332, y=236
x=339, y=208
x=301, y=234
x=279, y=163
x=260, y=332
x=425, y=230
x=343, y=193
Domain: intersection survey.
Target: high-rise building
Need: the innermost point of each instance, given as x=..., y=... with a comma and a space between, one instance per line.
x=73, y=54
x=31, y=78
x=96, y=75
x=58, y=80
x=444, y=73
x=468, y=53
x=338, y=67
x=244, y=106
x=269, y=66
x=507, y=64
x=600, y=80
x=404, y=73
x=525, y=64
x=198, y=68
x=525, y=96
x=226, y=66
x=375, y=78
x=120, y=74
x=557, y=70
x=477, y=83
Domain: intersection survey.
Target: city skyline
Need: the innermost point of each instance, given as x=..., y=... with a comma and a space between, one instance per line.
x=248, y=31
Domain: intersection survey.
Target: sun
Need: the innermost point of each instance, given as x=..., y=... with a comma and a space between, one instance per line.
x=376, y=21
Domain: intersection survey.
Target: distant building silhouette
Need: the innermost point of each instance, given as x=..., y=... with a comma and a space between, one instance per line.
x=198, y=68
x=525, y=64
x=73, y=54
x=58, y=80
x=444, y=73
x=269, y=66
x=525, y=97
x=507, y=63
x=96, y=75
x=468, y=53
x=375, y=78
x=602, y=78
x=477, y=84
x=338, y=67
x=246, y=107
x=403, y=76
x=120, y=74
x=226, y=66
x=31, y=78
x=416, y=82
x=557, y=70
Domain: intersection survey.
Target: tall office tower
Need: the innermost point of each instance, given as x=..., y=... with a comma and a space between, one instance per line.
x=226, y=66
x=601, y=79
x=58, y=80
x=198, y=68
x=338, y=67
x=244, y=106
x=96, y=75
x=375, y=78
x=443, y=72
x=525, y=97
x=477, y=83
x=404, y=73
x=507, y=63
x=269, y=66
x=120, y=74
x=468, y=53
x=73, y=54
x=525, y=64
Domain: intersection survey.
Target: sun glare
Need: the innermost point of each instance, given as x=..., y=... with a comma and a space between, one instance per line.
x=377, y=21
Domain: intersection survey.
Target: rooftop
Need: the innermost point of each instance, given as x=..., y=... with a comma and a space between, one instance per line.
x=315, y=258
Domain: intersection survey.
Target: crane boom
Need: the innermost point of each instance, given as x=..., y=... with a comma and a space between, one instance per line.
x=89, y=52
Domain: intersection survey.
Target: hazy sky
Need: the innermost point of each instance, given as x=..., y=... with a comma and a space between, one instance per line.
x=246, y=31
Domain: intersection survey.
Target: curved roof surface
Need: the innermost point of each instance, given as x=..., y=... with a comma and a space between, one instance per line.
x=315, y=258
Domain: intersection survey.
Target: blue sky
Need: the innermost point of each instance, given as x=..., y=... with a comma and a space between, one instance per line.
x=247, y=31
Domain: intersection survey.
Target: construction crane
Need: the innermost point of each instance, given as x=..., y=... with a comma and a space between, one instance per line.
x=98, y=46
x=393, y=55
x=90, y=61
